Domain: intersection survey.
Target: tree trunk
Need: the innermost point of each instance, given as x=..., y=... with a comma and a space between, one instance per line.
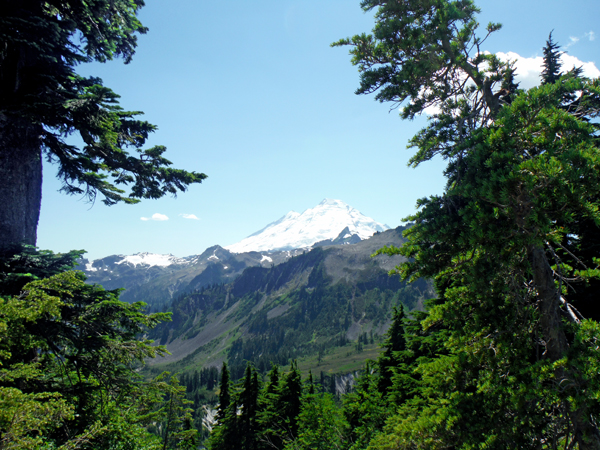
x=585, y=432
x=20, y=181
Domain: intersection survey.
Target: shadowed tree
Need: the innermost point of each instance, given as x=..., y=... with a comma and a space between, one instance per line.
x=551, y=72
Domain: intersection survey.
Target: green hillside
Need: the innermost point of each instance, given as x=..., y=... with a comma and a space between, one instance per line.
x=306, y=308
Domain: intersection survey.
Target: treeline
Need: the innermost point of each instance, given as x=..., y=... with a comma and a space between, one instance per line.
x=315, y=317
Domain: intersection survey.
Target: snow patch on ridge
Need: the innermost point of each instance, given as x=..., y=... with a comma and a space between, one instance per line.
x=152, y=259
x=266, y=258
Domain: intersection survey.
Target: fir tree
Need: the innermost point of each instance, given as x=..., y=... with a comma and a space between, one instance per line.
x=269, y=416
x=394, y=343
x=69, y=353
x=551, y=72
x=248, y=401
x=224, y=394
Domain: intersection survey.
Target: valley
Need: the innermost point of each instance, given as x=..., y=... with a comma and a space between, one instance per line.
x=271, y=306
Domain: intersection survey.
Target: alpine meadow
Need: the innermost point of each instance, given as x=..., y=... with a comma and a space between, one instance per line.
x=472, y=326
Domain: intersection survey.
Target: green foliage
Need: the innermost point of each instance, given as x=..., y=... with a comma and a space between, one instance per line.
x=497, y=362
x=551, y=72
x=68, y=358
x=260, y=418
x=173, y=419
x=419, y=51
x=365, y=409
x=315, y=317
x=21, y=265
x=248, y=401
x=394, y=343
x=321, y=425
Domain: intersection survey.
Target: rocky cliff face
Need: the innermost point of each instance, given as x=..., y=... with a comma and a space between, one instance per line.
x=156, y=279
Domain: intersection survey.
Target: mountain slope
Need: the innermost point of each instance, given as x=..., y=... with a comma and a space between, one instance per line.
x=323, y=222
x=156, y=279
x=309, y=304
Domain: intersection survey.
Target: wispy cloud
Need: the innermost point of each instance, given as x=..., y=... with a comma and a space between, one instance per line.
x=590, y=35
x=189, y=216
x=572, y=41
x=156, y=216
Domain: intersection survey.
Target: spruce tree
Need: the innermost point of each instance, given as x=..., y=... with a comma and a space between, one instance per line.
x=269, y=416
x=395, y=342
x=551, y=71
x=248, y=402
x=69, y=354
x=224, y=394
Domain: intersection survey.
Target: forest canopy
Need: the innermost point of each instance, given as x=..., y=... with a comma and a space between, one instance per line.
x=505, y=356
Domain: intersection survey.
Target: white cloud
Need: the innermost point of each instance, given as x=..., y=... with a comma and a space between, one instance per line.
x=590, y=35
x=156, y=216
x=189, y=216
x=529, y=69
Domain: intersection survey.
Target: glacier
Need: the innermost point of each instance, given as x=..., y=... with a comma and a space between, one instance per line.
x=294, y=230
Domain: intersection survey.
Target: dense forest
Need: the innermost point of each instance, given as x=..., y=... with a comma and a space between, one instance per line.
x=504, y=355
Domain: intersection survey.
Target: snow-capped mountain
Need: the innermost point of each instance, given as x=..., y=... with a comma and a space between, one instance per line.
x=155, y=278
x=139, y=259
x=323, y=222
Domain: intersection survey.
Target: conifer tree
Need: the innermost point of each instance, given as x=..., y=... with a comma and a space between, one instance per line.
x=321, y=425
x=395, y=342
x=68, y=356
x=521, y=176
x=551, y=72
x=289, y=401
x=43, y=100
x=248, y=402
x=175, y=417
x=224, y=394
x=269, y=416
x=311, y=384
x=365, y=410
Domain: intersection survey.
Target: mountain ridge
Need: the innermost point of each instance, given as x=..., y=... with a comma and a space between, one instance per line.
x=157, y=278
x=308, y=303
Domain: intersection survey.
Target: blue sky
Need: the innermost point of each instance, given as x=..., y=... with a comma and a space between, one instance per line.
x=251, y=94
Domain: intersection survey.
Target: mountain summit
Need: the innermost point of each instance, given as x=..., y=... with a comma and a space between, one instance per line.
x=323, y=222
